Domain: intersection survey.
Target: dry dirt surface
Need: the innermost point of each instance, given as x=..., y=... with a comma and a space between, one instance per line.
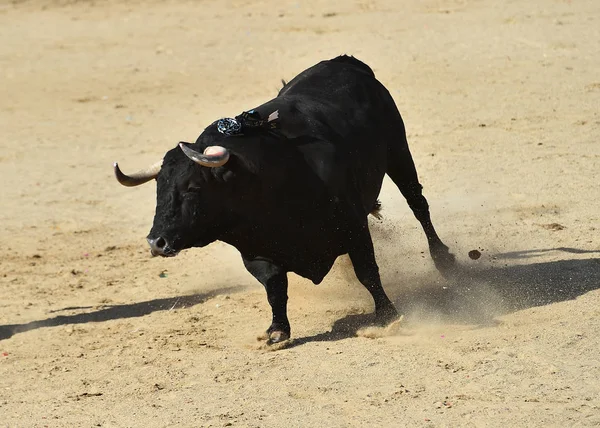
x=501, y=102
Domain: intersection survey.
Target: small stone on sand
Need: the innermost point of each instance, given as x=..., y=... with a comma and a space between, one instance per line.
x=474, y=254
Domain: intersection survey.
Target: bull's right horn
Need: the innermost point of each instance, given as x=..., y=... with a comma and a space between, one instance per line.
x=139, y=177
x=212, y=157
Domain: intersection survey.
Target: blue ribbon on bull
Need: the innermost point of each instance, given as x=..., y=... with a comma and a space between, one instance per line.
x=247, y=120
x=229, y=126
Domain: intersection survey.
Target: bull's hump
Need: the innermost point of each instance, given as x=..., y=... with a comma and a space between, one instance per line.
x=356, y=62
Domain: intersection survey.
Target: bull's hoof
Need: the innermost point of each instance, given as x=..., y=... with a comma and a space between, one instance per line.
x=277, y=333
x=277, y=336
x=386, y=315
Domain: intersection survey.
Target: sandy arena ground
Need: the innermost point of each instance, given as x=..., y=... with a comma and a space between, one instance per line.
x=501, y=102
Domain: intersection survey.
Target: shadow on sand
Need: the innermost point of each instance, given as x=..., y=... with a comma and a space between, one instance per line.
x=471, y=296
x=476, y=296
x=527, y=254
x=107, y=313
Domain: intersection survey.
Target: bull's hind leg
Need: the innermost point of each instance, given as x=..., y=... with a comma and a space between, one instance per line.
x=403, y=173
x=362, y=256
x=274, y=279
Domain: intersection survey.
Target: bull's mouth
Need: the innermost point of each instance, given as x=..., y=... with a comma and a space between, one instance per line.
x=165, y=253
x=204, y=243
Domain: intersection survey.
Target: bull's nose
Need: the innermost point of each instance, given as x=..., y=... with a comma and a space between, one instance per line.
x=158, y=245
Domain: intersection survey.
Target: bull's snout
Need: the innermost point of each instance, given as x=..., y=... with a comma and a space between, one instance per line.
x=160, y=247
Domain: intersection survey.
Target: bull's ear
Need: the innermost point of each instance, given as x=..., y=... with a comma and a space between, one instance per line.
x=236, y=171
x=226, y=175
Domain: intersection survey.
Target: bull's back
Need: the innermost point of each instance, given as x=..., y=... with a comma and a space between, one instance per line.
x=327, y=75
x=338, y=98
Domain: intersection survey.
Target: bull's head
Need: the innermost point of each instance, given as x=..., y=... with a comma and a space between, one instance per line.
x=190, y=208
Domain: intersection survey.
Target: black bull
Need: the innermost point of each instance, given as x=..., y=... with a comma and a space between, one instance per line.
x=290, y=184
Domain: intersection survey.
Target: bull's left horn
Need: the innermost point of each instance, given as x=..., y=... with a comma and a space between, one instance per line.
x=139, y=177
x=212, y=157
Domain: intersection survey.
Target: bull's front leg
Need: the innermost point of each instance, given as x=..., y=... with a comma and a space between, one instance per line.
x=274, y=279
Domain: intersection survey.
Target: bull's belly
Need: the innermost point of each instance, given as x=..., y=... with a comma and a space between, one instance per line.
x=308, y=255
x=314, y=269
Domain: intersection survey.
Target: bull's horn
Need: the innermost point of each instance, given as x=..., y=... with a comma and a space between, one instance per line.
x=212, y=157
x=139, y=177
